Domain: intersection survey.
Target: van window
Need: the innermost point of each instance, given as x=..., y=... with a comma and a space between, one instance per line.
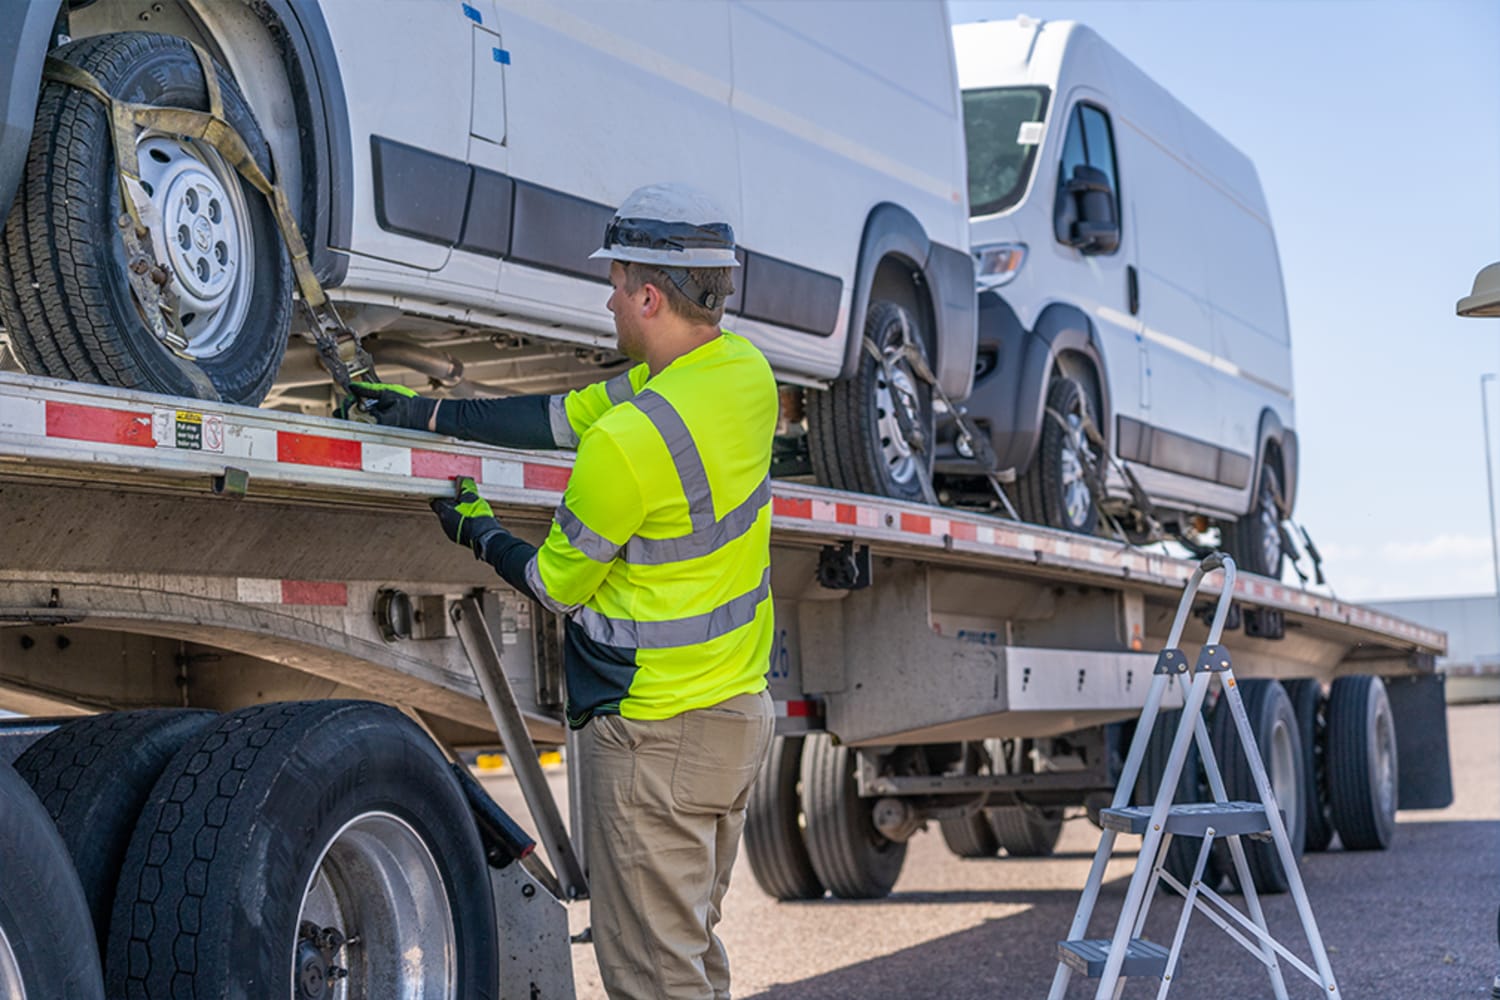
x=1000, y=163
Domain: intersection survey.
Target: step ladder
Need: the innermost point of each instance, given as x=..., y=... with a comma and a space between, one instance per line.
x=1126, y=954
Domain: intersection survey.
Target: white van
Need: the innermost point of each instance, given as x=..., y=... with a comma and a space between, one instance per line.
x=1129, y=278
x=454, y=164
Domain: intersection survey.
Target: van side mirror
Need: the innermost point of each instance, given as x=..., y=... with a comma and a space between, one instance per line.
x=1086, y=212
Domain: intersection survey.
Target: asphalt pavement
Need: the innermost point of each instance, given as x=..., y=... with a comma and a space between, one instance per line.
x=1416, y=922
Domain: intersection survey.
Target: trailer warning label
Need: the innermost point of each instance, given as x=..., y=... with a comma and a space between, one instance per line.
x=188, y=430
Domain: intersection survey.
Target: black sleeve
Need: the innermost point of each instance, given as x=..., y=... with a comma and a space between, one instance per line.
x=509, y=555
x=512, y=422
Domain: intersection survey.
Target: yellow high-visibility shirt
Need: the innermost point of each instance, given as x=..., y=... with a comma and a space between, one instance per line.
x=660, y=551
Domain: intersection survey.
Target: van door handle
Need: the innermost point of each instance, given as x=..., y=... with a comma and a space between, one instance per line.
x=1133, y=289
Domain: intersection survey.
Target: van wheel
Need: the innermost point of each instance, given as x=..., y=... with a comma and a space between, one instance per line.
x=297, y=846
x=1274, y=725
x=873, y=433
x=1255, y=539
x=65, y=297
x=773, y=826
x=851, y=856
x=46, y=941
x=1056, y=490
x=93, y=777
x=1362, y=766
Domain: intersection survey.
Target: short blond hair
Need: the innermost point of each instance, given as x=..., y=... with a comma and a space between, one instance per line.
x=718, y=280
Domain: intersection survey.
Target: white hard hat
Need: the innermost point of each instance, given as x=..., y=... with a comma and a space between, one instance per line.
x=669, y=225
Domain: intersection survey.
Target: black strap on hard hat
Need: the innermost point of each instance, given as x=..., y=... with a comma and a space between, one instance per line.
x=654, y=234
x=687, y=286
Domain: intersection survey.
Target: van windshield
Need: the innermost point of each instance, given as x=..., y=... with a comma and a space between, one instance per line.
x=1002, y=128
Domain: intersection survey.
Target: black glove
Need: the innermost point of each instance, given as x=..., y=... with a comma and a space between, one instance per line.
x=391, y=405
x=467, y=518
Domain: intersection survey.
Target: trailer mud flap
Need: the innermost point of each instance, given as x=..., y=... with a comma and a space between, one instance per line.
x=1419, y=705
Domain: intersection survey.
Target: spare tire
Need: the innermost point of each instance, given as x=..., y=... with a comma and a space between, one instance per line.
x=65, y=297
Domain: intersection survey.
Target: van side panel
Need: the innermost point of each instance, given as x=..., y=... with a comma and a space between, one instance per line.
x=819, y=94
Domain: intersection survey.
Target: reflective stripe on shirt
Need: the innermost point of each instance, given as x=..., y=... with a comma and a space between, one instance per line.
x=735, y=613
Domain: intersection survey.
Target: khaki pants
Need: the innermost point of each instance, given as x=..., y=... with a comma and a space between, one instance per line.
x=664, y=805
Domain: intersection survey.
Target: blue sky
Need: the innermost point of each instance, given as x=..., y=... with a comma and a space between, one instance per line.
x=1375, y=127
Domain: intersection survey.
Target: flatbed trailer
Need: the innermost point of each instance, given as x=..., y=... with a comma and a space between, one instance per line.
x=930, y=664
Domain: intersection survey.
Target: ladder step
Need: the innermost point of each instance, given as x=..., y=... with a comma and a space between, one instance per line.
x=1192, y=819
x=1142, y=957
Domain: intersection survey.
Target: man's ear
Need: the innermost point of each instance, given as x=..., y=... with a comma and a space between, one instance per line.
x=653, y=301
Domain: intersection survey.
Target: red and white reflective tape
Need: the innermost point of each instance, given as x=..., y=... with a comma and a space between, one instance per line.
x=317, y=593
x=798, y=709
x=182, y=429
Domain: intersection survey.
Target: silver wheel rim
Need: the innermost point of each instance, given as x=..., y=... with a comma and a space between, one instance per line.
x=1270, y=535
x=1385, y=764
x=204, y=239
x=1283, y=768
x=11, y=987
x=895, y=387
x=1077, y=497
x=378, y=885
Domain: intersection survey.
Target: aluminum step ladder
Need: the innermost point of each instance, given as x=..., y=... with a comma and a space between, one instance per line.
x=1126, y=953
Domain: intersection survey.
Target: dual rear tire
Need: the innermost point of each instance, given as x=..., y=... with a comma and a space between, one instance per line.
x=303, y=849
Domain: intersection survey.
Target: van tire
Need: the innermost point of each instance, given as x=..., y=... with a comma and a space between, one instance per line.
x=64, y=295
x=970, y=836
x=46, y=940
x=1252, y=539
x=773, y=827
x=228, y=861
x=93, y=776
x=852, y=858
x=1026, y=831
x=1308, y=702
x=1363, y=770
x=1055, y=491
x=855, y=437
x=1274, y=725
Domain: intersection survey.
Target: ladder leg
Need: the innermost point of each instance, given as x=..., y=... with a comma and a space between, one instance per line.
x=1152, y=842
x=1156, y=867
x=1187, y=912
x=1283, y=842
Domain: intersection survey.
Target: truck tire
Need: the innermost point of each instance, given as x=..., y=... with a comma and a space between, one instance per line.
x=852, y=858
x=857, y=440
x=1308, y=702
x=1273, y=724
x=970, y=836
x=1055, y=489
x=1255, y=539
x=46, y=941
x=1182, y=853
x=1362, y=763
x=64, y=294
x=281, y=832
x=93, y=776
x=773, y=827
x=1026, y=831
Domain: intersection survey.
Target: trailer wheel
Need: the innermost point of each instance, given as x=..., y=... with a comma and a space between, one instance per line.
x=1274, y=725
x=1362, y=770
x=970, y=836
x=1026, y=831
x=297, y=846
x=65, y=297
x=93, y=777
x=1182, y=853
x=773, y=827
x=46, y=941
x=852, y=858
x=1055, y=490
x=1309, y=704
x=1255, y=539
x=874, y=433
